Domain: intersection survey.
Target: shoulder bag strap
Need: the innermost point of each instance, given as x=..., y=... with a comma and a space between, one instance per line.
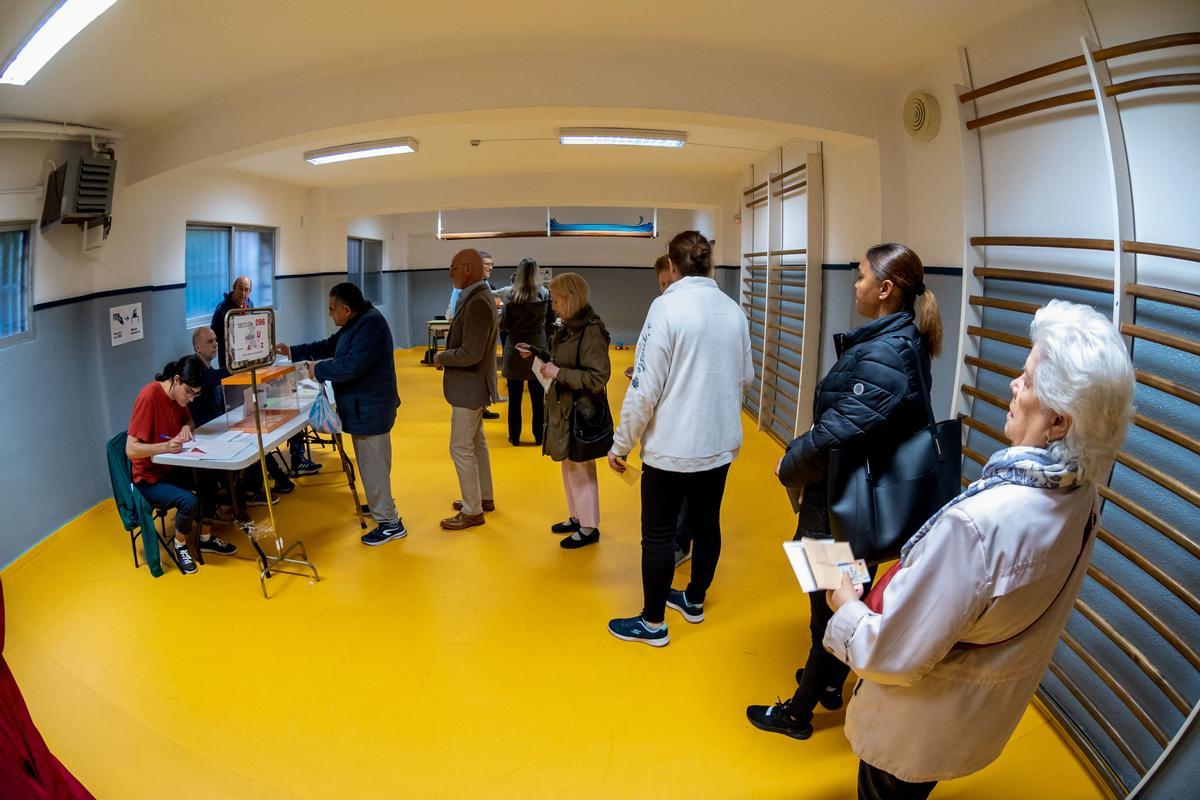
x=1087, y=534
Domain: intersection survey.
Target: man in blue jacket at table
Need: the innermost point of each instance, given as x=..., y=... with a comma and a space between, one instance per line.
x=358, y=360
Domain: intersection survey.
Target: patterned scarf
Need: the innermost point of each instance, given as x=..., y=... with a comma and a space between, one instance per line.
x=1024, y=466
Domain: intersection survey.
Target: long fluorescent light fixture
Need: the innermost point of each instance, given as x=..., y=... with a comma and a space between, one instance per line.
x=633, y=137
x=350, y=152
x=52, y=35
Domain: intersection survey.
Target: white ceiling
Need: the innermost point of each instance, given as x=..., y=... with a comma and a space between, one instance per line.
x=144, y=63
x=516, y=141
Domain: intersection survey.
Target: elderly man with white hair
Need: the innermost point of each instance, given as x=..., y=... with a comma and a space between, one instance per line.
x=952, y=642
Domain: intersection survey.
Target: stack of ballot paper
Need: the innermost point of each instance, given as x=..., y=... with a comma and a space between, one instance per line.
x=821, y=563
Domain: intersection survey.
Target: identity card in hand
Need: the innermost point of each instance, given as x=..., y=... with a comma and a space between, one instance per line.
x=820, y=563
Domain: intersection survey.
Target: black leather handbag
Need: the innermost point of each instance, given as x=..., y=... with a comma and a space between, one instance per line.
x=879, y=495
x=591, y=422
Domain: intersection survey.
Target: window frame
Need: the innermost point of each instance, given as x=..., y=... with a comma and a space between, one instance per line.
x=29, y=227
x=362, y=272
x=232, y=228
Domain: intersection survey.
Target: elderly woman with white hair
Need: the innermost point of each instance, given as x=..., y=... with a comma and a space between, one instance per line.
x=951, y=644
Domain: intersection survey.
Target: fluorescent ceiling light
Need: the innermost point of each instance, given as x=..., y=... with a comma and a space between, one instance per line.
x=350, y=152
x=634, y=137
x=58, y=28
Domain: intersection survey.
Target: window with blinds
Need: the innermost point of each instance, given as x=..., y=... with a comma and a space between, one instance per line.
x=16, y=292
x=215, y=255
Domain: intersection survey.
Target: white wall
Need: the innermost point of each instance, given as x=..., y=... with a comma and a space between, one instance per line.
x=146, y=246
x=921, y=182
x=424, y=250
x=853, y=207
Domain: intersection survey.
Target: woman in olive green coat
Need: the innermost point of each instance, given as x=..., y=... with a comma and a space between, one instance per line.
x=578, y=364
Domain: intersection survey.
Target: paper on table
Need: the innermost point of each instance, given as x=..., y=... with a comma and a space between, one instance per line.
x=820, y=563
x=211, y=447
x=537, y=372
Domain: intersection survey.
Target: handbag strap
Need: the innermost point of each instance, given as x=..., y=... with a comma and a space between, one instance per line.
x=1087, y=534
x=874, y=598
x=937, y=446
x=579, y=349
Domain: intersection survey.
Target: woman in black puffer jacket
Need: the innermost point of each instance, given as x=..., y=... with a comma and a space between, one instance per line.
x=872, y=391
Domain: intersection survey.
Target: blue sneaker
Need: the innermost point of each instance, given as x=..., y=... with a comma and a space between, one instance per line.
x=633, y=629
x=385, y=533
x=692, y=612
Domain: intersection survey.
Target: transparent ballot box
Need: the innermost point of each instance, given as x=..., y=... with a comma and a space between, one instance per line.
x=277, y=400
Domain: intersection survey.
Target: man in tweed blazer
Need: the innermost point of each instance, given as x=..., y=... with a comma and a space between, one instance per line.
x=469, y=385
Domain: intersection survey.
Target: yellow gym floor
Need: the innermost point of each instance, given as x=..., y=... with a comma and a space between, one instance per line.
x=471, y=664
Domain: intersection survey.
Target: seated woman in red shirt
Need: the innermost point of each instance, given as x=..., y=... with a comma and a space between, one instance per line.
x=161, y=423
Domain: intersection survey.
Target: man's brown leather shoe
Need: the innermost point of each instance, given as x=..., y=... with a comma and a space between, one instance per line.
x=488, y=505
x=461, y=521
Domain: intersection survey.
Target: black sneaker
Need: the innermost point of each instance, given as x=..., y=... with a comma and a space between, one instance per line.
x=284, y=485
x=490, y=414
x=302, y=466
x=778, y=719
x=568, y=526
x=186, y=564
x=260, y=499
x=385, y=533
x=831, y=697
x=217, y=545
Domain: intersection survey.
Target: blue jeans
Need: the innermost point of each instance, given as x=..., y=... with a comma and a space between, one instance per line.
x=168, y=495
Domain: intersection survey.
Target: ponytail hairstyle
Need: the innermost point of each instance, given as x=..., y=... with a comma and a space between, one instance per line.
x=903, y=267
x=526, y=282
x=189, y=370
x=691, y=254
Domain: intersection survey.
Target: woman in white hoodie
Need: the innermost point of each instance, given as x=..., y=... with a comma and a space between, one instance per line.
x=951, y=644
x=684, y=403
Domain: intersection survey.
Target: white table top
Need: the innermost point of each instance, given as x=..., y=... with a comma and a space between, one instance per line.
x=214, y=429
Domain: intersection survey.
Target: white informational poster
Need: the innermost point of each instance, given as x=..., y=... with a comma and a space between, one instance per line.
x=249, y=338
x=125, y=323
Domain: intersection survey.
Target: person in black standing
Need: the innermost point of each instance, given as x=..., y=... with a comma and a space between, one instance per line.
x=526, y=318
x=872, y=391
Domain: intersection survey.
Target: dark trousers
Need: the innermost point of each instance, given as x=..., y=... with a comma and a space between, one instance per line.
x=821, y=669
x=683, y=532
x=537, y=398
x=663, y=495
x=190, y=506
x=875, y=784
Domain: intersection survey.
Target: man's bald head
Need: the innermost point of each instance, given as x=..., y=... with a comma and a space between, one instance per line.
x=241, y=290
x=466, y=268
x=204, y=342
